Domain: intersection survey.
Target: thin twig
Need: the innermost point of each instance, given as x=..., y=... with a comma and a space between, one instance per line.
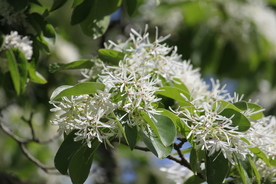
x=29, y=122
x=23, y=142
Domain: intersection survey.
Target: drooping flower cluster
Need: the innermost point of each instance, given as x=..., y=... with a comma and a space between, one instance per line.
x=24, y=44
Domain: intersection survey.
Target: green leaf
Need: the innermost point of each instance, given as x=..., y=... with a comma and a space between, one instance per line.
x=42, y=26
x=181, y=127
x=174, y=93
x=76, y=2
x=78, y=89
x=224, y=104
x=155, y=145
x=256, y=107
x=255, y=170
x=65, y=152
x=34, y=75
x=80, y=163
x=12, y=64
x=131, y=6
x=194, y=180
x=80, y=64
x=22, y=68
x=18, y=5
x=97, y=22
x=131, y=135
x=194, y=161
x=81, y=11
x=57, y=4
x=238, y=119
x=258, y=152
x=111, y=56
x=217, y=168
x=242, y=172
x=242, y=105
x=179, y=84
x=162, y=126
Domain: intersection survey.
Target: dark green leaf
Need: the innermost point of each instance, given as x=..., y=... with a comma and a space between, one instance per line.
x=81, y=11
x=41, y=25
x=57, y=4
x=238, y=119
x=34, y=75
x=36, y=2
x=108, y=7
x=96, y=23
x=241, y=105
x=78, y=89
x=111, y=56
x=80, y=64
x=131, y=135
x=12, y=64
x=155, y=145
x=194, y=180
x=18, y=5
x=65, y=152
x=194, y=161
x=80, y=163
x=217, y=168
x=76, y=3
x=131, y=6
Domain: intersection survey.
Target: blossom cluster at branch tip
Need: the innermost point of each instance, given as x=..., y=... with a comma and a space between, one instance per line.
x=16, y=41
x=130, y=89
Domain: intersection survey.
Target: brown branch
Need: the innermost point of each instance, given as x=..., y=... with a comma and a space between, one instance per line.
x=23, y=142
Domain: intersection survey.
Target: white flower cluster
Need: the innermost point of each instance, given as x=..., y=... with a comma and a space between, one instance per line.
x=24, y=44
x=11, y=17
x=130, y=89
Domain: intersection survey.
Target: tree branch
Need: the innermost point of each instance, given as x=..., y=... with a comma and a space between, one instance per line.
x=22, y=142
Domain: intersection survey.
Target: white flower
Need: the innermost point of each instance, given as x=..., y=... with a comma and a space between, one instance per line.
x=214, y=132
x=24, y=44
x=88, y=115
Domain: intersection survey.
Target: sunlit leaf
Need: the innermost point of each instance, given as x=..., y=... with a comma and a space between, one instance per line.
x=34, y=75
x=78, y=89
x=163, y=127
x=12, y=64
x=111, y=56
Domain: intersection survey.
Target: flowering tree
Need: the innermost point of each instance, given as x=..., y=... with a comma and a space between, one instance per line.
x=140, y=93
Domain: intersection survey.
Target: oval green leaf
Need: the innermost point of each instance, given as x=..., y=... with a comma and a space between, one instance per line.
x=79, y=89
